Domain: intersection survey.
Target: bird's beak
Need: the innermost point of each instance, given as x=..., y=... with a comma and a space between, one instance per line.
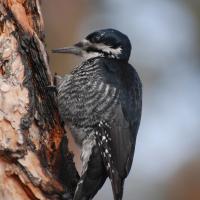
x=71, y=50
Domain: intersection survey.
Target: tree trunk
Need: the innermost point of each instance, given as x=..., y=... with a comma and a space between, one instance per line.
x=35, y=162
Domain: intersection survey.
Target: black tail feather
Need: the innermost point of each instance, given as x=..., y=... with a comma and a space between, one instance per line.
x=117, y=186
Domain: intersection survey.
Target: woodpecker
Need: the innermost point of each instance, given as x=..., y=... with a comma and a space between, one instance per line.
x=101, y=102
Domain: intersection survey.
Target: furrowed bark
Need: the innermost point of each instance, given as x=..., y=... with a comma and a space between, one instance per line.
x=35, y=162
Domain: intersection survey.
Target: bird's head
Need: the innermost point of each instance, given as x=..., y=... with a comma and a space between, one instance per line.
x=108, y=43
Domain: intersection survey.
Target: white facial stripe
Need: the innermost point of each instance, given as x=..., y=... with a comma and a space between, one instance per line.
x=86, y=42
x=89, y=55
x=108, y=49
x=102, y=47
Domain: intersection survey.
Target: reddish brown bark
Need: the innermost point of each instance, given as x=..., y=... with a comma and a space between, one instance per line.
x=35, y=162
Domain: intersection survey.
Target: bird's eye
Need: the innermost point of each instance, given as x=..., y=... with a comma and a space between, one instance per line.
x=93, y=38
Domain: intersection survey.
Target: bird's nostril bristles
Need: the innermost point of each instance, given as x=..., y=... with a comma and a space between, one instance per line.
x=79, y=44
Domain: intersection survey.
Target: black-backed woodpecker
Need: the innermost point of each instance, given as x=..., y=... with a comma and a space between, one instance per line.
x=101, y=102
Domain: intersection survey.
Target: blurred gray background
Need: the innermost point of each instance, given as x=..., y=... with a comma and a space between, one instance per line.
x=165, y=36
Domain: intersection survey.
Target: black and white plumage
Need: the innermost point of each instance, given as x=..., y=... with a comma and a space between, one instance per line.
x=101, y=102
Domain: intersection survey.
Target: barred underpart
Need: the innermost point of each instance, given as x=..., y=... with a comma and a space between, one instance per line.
x=84, y=98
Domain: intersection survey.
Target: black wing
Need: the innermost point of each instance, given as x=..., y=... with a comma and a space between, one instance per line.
x=125, y=126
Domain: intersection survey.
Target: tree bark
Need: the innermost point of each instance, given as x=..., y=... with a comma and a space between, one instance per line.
x=35, y=162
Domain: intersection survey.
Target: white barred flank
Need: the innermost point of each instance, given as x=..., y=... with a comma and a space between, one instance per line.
x=88, y=143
